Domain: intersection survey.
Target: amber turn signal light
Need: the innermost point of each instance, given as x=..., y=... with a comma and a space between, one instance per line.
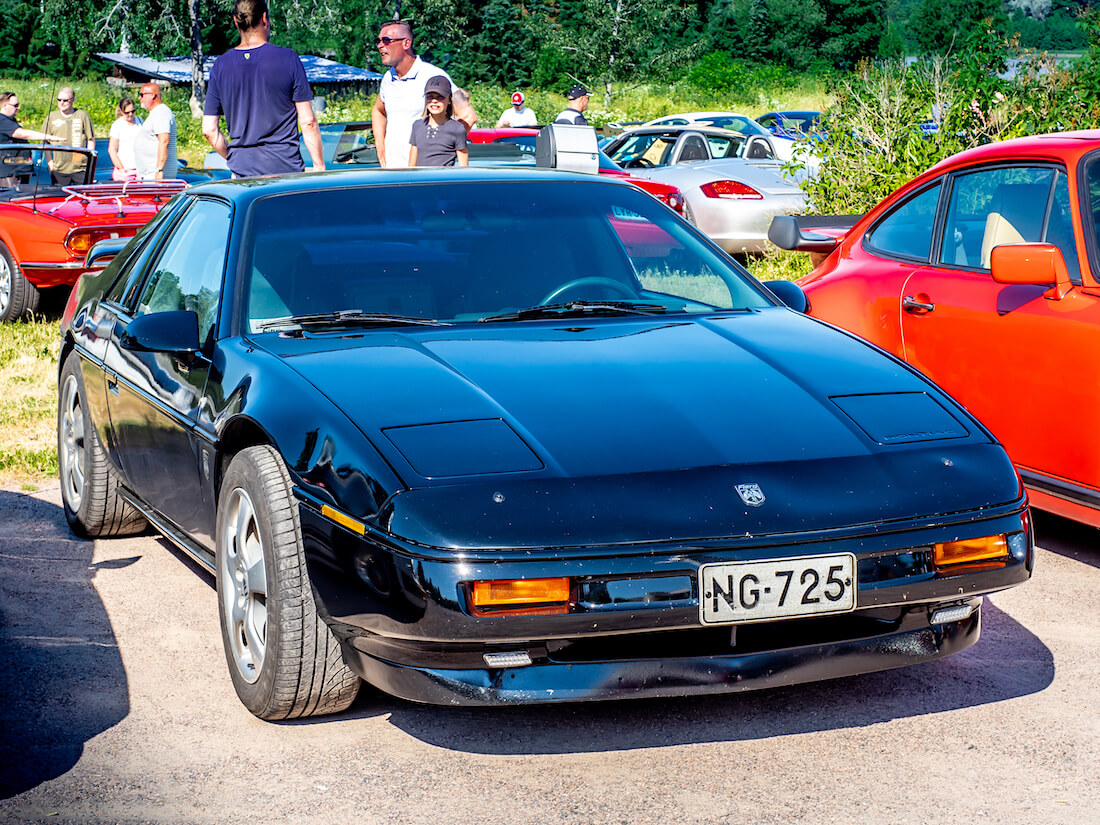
x=967, y=551
x=516, y=596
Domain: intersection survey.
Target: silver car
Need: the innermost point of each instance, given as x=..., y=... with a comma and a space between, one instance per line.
x=731, y=183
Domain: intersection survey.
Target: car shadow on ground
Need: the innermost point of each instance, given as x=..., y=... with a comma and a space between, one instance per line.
x=56, y=645
x=1071, y=539
x=1008, y=662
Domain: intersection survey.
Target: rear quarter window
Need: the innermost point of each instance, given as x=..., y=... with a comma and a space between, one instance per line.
x=907, y=230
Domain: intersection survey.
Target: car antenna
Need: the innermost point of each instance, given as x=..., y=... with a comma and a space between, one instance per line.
x=34, y=200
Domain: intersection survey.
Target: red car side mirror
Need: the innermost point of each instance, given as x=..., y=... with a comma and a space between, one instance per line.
x=1039, y=264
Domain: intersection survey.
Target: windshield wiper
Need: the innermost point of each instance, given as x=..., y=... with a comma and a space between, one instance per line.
x=578, y=308
x=349, y=317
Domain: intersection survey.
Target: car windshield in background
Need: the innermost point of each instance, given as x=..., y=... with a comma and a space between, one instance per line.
x=735, y=123
x=370, y=256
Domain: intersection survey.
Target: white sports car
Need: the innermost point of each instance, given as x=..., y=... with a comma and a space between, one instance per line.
x=731, y=183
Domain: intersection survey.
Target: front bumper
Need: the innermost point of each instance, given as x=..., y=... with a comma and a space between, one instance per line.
x=652, y=678
x=633, y=628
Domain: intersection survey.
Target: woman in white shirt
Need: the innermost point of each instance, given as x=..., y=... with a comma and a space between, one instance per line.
x=121, y=146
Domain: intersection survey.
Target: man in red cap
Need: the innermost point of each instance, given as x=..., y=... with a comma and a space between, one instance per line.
x=517, y=114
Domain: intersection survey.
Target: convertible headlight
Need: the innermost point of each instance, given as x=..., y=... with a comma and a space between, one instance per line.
x=967, y=551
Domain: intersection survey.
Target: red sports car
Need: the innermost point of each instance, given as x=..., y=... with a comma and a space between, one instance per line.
x=46, y=230
x=984, y=273
x=525, y=139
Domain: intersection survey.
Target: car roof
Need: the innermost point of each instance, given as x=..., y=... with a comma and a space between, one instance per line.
x=659, y=128
x=245, y=190
x=706, y=114
x=1054, y=146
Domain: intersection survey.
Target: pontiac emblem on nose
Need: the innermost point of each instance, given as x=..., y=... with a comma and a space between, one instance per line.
x=751, y=494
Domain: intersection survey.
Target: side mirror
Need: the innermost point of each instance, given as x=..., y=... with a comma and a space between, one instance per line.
x=1036, y=264
x=103, y=252
x=175, y=332
x=785, y=233
x=789, y=293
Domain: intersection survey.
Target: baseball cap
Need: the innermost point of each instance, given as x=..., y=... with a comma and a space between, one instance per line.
x=577, y=91
x=438, y=84
x=517, y=98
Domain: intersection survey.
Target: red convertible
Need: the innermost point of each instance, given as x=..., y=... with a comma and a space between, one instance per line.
x=984, y=273
x=46, y=230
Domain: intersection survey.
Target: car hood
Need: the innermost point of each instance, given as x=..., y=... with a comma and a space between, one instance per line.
x=588, y=424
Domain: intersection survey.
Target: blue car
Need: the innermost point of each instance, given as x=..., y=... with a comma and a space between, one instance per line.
x=485, y=437
x=792, y=124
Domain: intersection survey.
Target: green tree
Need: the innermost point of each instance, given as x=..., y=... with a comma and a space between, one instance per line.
x=852, y=30
x=940, y=26
x=615, y=43
x=727, y=27
x=23, y=47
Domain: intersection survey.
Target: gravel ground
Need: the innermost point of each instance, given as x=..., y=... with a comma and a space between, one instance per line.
x=116, y=707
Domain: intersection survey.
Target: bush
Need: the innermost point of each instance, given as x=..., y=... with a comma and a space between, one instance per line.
x=719, y=72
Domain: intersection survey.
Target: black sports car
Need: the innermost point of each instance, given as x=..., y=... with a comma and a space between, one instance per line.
x=514, y=436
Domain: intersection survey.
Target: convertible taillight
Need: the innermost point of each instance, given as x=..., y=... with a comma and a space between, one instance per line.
x=730, y=189
x=675, y=200
x=81, y=240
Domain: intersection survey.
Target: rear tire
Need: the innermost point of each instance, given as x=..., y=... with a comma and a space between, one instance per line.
x=18, y=296
x=284, y=661
x=89, y=486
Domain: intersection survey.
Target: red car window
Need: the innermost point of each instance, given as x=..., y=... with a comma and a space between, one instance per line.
x=907, y=231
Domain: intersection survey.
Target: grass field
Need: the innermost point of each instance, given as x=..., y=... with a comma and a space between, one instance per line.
x=28, y=401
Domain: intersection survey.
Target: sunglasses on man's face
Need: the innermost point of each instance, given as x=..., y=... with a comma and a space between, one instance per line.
x=387, y=40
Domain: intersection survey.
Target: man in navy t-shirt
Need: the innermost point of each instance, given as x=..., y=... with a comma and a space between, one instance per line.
x=263, y=92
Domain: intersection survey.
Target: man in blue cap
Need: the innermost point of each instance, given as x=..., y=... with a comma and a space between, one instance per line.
x=574, y=112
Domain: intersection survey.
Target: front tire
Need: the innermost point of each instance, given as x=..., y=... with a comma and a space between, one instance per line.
x=284, y=661
x=89, y=486
x=18, y=296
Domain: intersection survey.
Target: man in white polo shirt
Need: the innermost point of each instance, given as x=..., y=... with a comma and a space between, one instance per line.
x=401, y=95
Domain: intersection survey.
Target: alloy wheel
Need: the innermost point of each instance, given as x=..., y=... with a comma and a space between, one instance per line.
x=244, y=589
x=71, y=443
x=5, y=285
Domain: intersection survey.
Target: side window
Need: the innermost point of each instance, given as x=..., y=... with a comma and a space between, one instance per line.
x=724, y=147
x=1060, y=226
x=133, y=257
x=992, y=207
x=188, y=274
x=694, y=147
x=907, y=231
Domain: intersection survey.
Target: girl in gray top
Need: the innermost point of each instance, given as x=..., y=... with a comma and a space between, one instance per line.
x=437, y=139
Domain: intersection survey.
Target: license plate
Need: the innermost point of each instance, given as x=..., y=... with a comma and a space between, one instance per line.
x=754, y=591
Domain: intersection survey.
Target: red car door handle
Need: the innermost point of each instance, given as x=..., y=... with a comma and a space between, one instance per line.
x=911, y=304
